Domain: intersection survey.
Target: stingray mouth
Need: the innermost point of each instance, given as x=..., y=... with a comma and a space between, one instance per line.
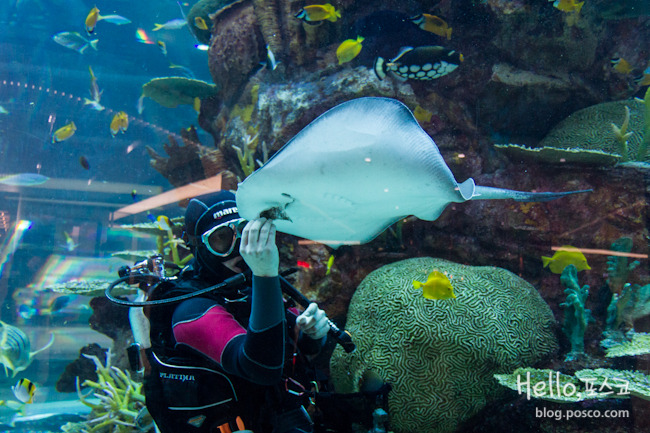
x=275, y=213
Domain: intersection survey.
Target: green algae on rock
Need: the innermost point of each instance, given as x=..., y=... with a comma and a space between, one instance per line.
x=171, y=92
x=440, y=356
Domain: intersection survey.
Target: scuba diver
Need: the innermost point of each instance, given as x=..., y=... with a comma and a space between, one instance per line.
x=235, y=358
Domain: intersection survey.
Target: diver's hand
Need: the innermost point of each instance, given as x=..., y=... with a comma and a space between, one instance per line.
x=258, y=248
x=313, y=322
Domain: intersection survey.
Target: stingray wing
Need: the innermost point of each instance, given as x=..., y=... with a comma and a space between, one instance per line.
x=351, y=173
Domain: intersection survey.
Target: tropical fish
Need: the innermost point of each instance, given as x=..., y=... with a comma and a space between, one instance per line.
x=95, y=105
x=202, y=47
x=70, y=245
x=74, y=41
x=91, y=20
x=24, y=179
x=436, y=287
x=115, y=19
x=271, y=63
x=24, y=390
x=174, y=24
x=15, y=349
x=314, y=14
x=3, y=110
x=421, y=63
x=64, y=132
x=432, y=24
x=164, y=223
x=330, y=263
x=134, y=195
x=163, y=47
x=565, y=256
x=568, y=5
x=95, y=93
x=119, y=123
x=352, y=198
x=197, y=104
x=349, y=49
x=621, y=65
x=139, y=105
x=200, y=23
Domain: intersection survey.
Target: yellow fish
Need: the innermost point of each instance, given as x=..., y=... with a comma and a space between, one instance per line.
x=568, y=5
x=119, y=123
x=163, y=223
x=163, y=47
x=91, y=20
x=621, y=65
x=64, y=132
x=565, y=256
x=432, y=24
x=437, y=286
x=313, y=14
x=330, y=263
x=197, y=105
x=349, y=49
x=200, y=23
x=24, y=390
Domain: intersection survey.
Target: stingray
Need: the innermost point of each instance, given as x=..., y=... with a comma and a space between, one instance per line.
x=354, y=171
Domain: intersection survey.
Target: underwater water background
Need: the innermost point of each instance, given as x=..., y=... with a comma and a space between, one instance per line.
x=60, y=202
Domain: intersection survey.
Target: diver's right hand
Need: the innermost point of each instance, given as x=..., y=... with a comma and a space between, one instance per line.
x=258, y=248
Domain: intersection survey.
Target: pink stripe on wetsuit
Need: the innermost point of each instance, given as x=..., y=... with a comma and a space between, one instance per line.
x=210, y=332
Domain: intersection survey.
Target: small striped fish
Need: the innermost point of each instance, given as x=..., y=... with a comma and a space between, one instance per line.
x=15, y=349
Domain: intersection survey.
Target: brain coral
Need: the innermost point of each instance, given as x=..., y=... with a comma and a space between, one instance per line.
x=591, y=128
x=587, y=137
x=441, y=355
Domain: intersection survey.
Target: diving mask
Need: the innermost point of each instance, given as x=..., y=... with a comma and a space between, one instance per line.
x=221, y=239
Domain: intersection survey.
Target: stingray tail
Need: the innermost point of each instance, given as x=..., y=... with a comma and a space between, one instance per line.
x=489, y=193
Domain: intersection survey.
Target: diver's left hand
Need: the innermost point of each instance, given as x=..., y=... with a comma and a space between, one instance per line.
x=313, y=322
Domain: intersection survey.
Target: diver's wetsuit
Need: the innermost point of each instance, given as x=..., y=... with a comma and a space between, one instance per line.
x=215, y=358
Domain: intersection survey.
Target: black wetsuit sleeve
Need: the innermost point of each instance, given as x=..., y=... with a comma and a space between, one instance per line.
x=258, y=355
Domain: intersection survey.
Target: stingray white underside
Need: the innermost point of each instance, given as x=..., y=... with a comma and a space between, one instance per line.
x=354, y=171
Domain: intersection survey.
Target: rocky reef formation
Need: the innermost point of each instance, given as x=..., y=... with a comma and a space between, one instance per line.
x=440, y=356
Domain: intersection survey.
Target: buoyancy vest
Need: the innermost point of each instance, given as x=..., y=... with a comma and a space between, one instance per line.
x=188, y=392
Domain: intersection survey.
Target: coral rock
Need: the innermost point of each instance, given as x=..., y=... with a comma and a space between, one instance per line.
x=440, y=356
x=191, y=162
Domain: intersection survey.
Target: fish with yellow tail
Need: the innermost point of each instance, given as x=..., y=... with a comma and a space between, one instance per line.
x=64, y=132
x=432, y=24
x=15, y=349
x=427, y=62
x=566, y=255
x=93, y=17
x=349, y=49
x=315, y=14
x=436, y=287
x=120, y=123
x=24, y=390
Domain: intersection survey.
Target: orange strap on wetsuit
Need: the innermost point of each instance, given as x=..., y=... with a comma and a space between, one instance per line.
x=225, y=427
